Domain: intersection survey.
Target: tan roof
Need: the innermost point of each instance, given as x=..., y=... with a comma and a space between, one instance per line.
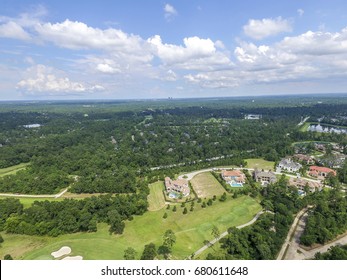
x=229, y=173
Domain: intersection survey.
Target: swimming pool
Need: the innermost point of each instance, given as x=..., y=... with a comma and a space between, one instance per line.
x=173, y=195
x=236, y=185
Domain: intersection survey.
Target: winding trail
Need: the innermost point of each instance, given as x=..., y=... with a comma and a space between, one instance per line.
x=212, y=242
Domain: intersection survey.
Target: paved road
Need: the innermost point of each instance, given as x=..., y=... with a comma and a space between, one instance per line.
x=297, y=226
x=294, y=251
x=226, y=232
x=189, y=176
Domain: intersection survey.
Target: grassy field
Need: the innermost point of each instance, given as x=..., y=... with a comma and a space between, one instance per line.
x=190, y=230
x=156, y=199
x=205, y=185
x=305, y=127
x=260, y=164
x=12, y=169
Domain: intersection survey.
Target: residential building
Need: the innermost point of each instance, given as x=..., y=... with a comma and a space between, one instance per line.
x=180, y=186
x=264, y=177
x=319, y=171
x=234, y=176
x=304, y=158
x=301, y=183
x=288, y=165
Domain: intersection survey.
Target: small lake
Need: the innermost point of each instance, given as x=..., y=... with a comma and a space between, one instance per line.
x=326, y=129
x=34, y=125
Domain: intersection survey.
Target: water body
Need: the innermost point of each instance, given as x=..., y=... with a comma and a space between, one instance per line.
x=326, y=129
x=34, y=125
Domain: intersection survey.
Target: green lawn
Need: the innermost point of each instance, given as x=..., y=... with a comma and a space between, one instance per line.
x=206, y=185
x=12, y=169
x=156, y=198
x=260, y=163
x=190, y=229
x=305, y=127
x=28, y=201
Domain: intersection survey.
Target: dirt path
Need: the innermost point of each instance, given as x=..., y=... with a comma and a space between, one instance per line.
x=35, y=195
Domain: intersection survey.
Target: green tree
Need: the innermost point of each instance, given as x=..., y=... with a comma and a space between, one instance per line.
x=129, y=253
x=169, y=239
x=185, y=211
x=1, y=239
x=165, y=215
x=149, y=252
x=174, y=209
x=215, y=232
x=8, y=257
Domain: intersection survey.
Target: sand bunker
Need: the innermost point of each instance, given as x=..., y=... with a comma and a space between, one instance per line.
x=76, y=258
x=65, y=250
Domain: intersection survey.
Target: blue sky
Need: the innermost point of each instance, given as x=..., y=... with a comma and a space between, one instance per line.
x=156, y=49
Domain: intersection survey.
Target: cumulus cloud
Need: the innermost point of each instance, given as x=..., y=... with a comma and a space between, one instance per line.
x=47, y=79
x=13, y=30
x=105, y=68
x=169, y=12
x=196, y=53
x=78, y=35
x=311, y=56
x=260, y=29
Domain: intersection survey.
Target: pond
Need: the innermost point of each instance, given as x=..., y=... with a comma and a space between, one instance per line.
x=326, y=129
x=34, y=125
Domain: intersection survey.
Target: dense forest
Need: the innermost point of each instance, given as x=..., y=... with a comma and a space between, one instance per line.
x=118, y=149
x=106, y=152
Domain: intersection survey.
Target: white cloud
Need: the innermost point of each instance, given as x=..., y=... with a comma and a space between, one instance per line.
x=300, y=12
x=47, y=79
x=78, y=35
x=260, y=29
x=170, y=12
x=13, y=30
x=106, y=68
x=196, y=53
x=170, y=76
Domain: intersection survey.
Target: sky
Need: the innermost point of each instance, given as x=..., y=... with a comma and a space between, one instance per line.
x=110, y=49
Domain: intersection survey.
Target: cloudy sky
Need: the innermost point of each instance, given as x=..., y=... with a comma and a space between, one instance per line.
x=114, y=49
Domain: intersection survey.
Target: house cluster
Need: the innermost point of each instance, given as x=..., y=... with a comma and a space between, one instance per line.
x=179, y=186
x=233, y=176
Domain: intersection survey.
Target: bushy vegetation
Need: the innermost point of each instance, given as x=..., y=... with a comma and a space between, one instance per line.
x=69, y=215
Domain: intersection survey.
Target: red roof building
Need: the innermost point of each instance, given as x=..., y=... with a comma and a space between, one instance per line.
x=316, y=171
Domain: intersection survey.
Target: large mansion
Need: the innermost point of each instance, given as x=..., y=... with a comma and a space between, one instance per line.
x=264, y=177
x=319, y=171
x=180, y=186
x=234, y=176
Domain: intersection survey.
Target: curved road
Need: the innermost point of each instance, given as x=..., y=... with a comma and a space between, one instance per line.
x=226, y=232
x=294, y=251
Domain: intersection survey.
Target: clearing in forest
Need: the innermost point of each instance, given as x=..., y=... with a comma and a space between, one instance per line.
x=156, y=199
x=12, y=169
x=205, y=185
x=260, y=164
